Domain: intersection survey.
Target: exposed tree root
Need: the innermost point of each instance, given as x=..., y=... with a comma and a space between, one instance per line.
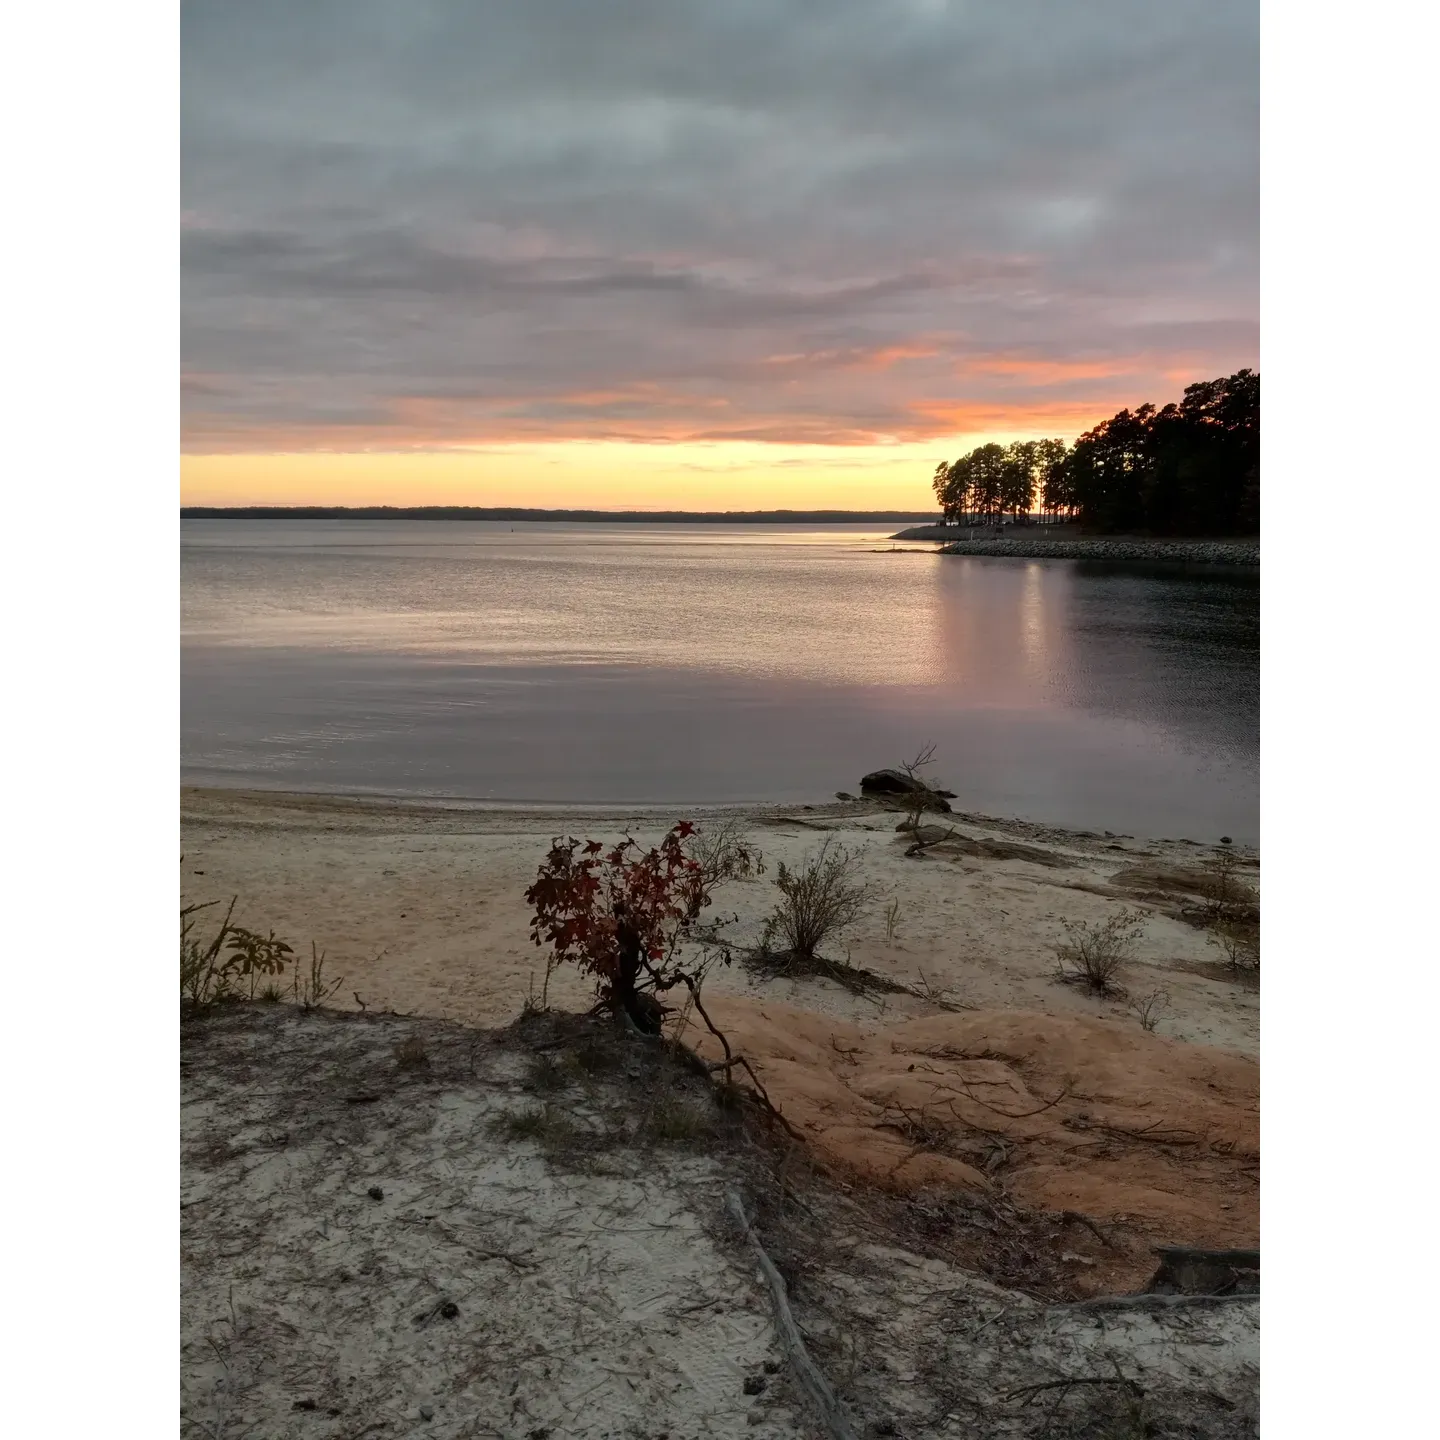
x=812, y=1381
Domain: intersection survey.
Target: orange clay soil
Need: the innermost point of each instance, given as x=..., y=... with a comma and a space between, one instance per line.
x=1153, y=1139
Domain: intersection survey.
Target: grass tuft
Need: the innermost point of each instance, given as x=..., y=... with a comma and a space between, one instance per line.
x=670, y=1120
x=546, y=1123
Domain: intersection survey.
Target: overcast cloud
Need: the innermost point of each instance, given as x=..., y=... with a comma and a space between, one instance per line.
x=412, y=223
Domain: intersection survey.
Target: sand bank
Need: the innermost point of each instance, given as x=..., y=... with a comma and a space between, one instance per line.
x=421, y=909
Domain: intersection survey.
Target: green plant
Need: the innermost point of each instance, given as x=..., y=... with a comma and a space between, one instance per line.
x=818, y=899
x=230, y=964
x=1092, y=955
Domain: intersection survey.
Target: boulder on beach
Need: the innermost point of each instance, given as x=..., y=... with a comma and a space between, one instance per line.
x=897, y=782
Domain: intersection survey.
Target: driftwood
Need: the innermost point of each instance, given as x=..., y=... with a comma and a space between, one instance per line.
x=815, y=1385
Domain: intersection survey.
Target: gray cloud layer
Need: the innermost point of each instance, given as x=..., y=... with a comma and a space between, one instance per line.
x=789, y=220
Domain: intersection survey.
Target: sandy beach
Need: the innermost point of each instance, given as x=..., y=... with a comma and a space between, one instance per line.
x=525, y=1234
x=421, y=907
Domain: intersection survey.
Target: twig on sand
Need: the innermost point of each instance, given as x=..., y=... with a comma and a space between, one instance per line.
x=815, y=1385
x=732, y=1061
x=520, y=1262
x=1030, y=1391
x=1090, y=1225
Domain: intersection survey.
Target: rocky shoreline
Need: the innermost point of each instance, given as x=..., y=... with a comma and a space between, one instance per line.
x=1191, y=552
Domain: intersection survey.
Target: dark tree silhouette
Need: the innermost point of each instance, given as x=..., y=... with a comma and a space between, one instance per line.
x=1187, y=469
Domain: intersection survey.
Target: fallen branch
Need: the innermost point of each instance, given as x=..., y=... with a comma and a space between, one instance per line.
x=811, y=1380
x=732, y=1061
x=919, y=847
x=1089, y=1224
x=1030, y=1391
x=1151, y=1134
x=520, y=1262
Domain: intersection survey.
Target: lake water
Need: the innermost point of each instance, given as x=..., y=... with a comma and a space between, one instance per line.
x=671, y=665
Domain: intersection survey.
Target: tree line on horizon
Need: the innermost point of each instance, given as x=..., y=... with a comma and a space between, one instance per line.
x=1191, y=468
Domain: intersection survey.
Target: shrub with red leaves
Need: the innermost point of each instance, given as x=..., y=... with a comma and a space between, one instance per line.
x=621, y=914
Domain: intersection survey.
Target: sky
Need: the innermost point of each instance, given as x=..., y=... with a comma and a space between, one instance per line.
x=698, y=254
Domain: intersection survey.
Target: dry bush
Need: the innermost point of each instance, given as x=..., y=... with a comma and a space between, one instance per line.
x=1228, y=895
x=1149, y=1010
x=533, y=1004
x=1093, y=955
x=920, y=1128
x=941, y=995
x=818, y=900
x=1239, y=939
x=724, y=850
x=1232, y=911
x=924, y=797
x=919, y=800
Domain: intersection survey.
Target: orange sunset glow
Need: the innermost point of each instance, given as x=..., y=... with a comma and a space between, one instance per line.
x=619, y=283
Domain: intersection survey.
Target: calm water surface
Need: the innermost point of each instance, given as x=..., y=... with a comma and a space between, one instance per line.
x=665, y=665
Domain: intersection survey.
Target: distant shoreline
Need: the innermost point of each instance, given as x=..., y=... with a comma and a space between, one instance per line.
x=1031, y=543
x=515, y=514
